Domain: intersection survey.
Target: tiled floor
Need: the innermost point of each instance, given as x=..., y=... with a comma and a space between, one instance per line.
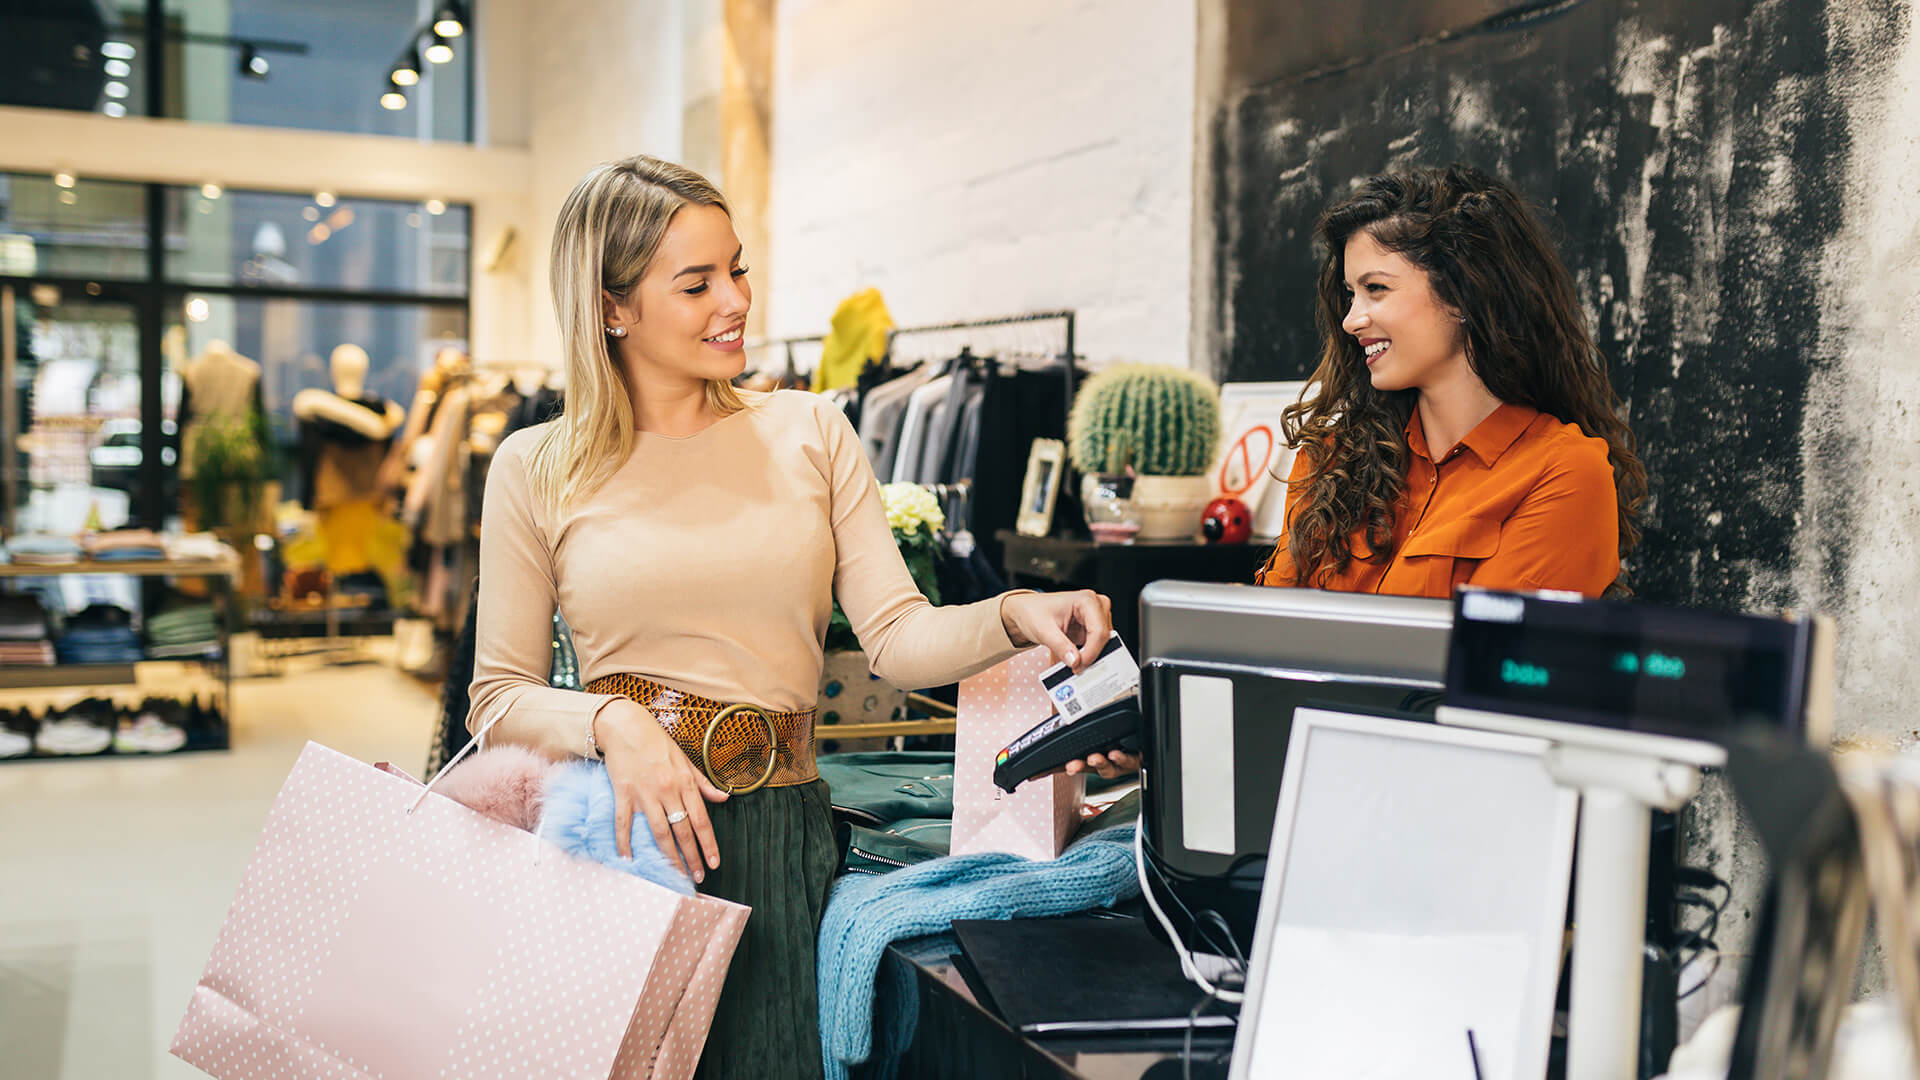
x=116, y=873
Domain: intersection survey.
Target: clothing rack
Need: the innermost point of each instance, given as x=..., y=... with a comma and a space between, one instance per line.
x=1015, y=336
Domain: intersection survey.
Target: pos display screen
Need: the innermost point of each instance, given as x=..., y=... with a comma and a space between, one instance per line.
x=1628, y=666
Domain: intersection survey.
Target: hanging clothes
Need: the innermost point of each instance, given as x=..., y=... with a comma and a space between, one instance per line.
x=860, y=327
x=881, y=416
x=436, y=503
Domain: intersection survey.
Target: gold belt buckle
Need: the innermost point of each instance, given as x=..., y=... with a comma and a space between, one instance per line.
x=773, y=748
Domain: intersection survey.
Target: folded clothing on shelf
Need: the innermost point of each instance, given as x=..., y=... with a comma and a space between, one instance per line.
x=99, y=634
x=183, y=632
x=41, y=549
x=125, y=545
x=196, y=547
x=23, y=618
x=26, y=653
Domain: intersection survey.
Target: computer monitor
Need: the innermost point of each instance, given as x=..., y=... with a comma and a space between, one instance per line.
x=1223, y=667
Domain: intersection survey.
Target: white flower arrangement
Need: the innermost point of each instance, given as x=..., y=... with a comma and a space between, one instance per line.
x=909, y=506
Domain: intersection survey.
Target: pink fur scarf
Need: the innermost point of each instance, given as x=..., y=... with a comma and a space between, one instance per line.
x=569, y=803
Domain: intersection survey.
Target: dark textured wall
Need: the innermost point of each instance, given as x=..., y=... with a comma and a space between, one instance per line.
x=1734, y=186
x=1688, y=153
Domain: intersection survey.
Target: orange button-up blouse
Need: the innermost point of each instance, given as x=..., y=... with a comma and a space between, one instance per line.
x=1525, y=502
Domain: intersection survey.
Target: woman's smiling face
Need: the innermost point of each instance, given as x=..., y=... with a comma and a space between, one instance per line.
x=1411, y=340
x=687, y=315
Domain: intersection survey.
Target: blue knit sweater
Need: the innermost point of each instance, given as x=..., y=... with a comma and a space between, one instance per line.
x=867, y=913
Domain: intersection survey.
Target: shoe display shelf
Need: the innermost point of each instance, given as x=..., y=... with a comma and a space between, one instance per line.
x=198, y=689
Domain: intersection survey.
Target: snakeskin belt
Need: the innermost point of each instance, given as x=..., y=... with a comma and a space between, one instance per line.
x=741, y=748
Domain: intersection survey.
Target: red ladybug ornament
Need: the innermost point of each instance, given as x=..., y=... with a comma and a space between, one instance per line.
x=1227, y=521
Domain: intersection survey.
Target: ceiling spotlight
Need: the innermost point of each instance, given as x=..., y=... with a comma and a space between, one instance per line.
x=252, y=64
x=393, y=99
x=198, y=309
x=117, y=69
x=117, y=90
x=311, y=213
x=448, y=21
x=440, y=51
x=407, y=71
x=114, y=108
x=116, y=50
x=436, y=207
x=323, y=198
x=210, y=191
x=63, y=178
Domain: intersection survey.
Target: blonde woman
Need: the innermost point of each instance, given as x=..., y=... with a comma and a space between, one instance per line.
x=696, y=538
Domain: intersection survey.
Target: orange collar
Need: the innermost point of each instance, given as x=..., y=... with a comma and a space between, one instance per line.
x=1488, y=440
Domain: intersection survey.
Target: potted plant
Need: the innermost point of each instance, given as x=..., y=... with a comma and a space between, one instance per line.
x=1162, y=424
x=849, y=691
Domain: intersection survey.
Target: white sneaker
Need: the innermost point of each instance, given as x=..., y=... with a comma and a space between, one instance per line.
x=13, y=744
x=72, y=737
x=148, y=734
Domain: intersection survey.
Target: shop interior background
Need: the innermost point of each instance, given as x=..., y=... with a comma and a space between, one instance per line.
x=1733, y=178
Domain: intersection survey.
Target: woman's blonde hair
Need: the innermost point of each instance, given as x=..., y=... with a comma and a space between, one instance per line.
x=608, y=232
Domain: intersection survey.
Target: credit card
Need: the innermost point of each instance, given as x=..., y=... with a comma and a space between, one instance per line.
x=1109, y=678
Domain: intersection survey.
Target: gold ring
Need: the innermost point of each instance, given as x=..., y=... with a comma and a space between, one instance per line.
x=773, y=748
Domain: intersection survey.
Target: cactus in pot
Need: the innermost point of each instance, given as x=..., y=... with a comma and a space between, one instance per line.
x=1164, y=422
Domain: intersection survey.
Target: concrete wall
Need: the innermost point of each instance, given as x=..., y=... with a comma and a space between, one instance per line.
x=1731, y=180
x=985, y=159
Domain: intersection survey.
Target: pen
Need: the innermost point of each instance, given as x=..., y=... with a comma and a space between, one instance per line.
x=1473, y=1050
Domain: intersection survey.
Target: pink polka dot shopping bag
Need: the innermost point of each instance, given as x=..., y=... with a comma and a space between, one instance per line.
x=996, y=707
x=382, y=930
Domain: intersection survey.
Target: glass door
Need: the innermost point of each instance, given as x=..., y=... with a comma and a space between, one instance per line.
x=70, y=361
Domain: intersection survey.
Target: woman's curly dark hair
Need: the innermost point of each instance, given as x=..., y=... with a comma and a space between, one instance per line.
x=1488, y=258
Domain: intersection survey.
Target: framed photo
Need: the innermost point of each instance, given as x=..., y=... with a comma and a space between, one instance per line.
x=1046, y=462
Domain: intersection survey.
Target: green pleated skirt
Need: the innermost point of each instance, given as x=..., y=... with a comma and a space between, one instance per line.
x=777, y=856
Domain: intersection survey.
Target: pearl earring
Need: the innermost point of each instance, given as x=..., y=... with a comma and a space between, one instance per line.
x=616, y=331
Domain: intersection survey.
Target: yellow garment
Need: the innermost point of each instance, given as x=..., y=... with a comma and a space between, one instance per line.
x=353, y=536
x=859, y=334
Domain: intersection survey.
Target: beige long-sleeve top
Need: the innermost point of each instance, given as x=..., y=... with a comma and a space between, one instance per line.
x=710, y=564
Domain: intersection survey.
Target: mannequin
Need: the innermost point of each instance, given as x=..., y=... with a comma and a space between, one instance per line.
x=347, y=405
x=344, y=434
x=218, y=387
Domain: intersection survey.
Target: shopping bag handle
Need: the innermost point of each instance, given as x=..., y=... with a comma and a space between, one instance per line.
x=478, y=738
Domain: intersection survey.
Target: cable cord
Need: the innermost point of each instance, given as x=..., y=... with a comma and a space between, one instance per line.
x=1187, y=966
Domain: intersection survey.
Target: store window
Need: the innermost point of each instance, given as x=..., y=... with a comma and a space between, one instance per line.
x=100, y=354
x=74, y=410
x=276, y=63
x=66, y=226
x=293, y=343
x=322, y=241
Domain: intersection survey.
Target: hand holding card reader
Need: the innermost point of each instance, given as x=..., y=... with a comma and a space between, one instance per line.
x=1098, y=710
x=1062, y=738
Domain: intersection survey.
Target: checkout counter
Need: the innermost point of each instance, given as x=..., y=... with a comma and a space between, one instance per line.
x=1223, y=670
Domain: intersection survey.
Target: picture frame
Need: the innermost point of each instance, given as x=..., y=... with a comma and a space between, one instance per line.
x=1046, y=463
x=1253, y=462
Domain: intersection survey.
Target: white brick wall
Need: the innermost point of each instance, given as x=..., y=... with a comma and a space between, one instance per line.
x=984, y=159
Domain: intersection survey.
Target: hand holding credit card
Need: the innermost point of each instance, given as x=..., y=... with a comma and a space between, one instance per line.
x=1109, y=678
